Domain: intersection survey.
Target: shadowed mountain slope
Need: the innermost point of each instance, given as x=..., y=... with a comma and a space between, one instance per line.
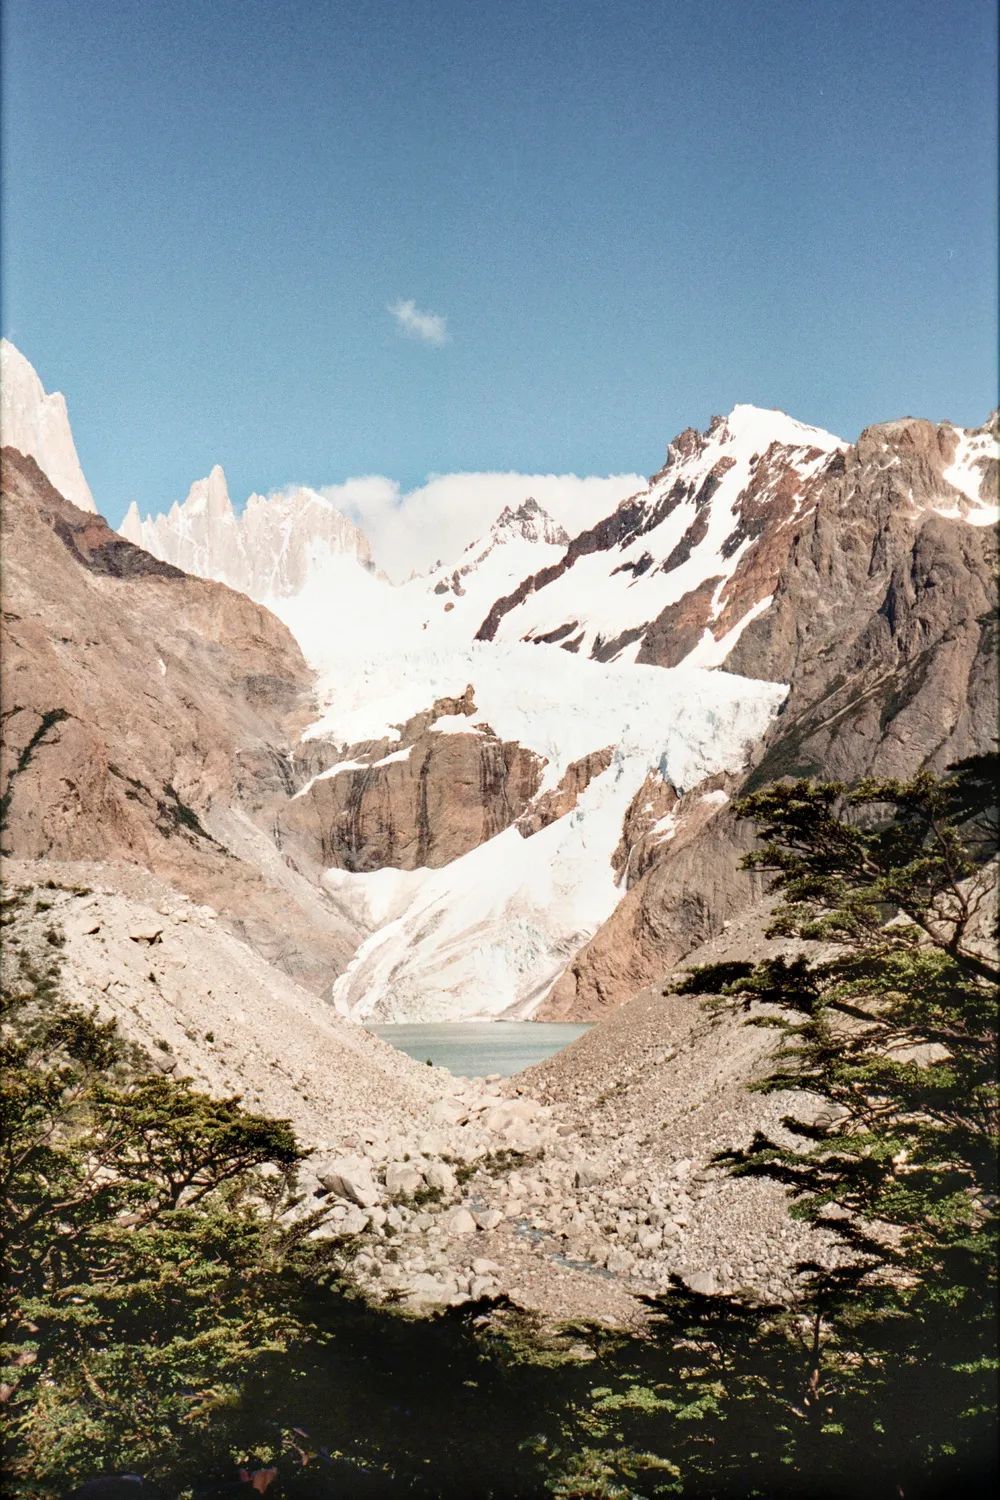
x=138, y=705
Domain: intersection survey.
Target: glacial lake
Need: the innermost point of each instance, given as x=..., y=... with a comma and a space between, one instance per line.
x=474, y=1049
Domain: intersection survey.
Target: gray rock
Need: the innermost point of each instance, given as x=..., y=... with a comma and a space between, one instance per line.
x=459, y=1222
x=587, y=1174
x=439, y=1175
x=704, y=1283
x=402, y=1180
x=146, y=932
x=445, y=1112
x=355, y=1221
x=520, y=1137
x=351, y=1178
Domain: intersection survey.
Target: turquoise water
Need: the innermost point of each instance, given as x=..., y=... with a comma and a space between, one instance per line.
x=474, y=1049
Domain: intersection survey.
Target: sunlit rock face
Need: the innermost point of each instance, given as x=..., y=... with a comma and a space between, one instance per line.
x=37, y=424
x=507, y=787
x=147, y=716
x=268, y=551
x=882, y=620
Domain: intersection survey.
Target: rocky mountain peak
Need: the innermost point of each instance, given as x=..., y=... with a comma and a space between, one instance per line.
x=529, y=521
x=269, y=551
x=929, y=466
x=36, y=423
x=688, y=562
x=746, y=430
x=761, y=426
x=209, y=496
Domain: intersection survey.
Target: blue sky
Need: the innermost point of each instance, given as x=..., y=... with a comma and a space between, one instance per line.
x=630, y=215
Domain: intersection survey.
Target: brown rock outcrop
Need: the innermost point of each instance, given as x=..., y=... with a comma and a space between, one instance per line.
x=563, y=798
x=884, y=623
x=883, y=620
x=678, y=628
x=139, y=707
x=422, y=804
x=643, y=827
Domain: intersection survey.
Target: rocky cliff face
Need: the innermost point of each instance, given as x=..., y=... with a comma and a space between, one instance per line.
x=37, y=424
x=678, y=570
x=269, y=551
x=142, y=710
x=883, y=621
x=419, y=803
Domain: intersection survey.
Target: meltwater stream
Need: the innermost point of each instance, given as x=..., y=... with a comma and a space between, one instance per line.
x=475, y=1049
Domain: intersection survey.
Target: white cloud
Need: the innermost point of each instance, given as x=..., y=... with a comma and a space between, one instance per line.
x=410, y=530
x=432, y=328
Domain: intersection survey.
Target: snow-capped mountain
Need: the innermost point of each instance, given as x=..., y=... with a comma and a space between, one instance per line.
x=450, y=599
x=429, y=721
x=478, y=877
x=270, y=551
x=520, y=762
x=296, y=553
x=678, y=571
x=37, y=424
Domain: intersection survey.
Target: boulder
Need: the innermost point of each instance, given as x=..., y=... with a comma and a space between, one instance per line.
x=402, y=1180
x=439, y=1175
x=445, y=1112
x=351, y=1178
x=146, y=932
x=459, y=1221
x=520, y=1137
x=355, y=1221
x=587, y=1174
x=423, y=1287
x=85, y=926
x=703, y=1283
x=523, y=1108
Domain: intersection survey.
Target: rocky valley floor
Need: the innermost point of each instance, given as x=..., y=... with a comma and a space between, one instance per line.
x=572, y=1189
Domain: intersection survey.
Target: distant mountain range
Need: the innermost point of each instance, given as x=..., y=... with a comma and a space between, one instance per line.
x=503, y=787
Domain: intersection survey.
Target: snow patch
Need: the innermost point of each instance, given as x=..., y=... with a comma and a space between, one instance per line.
x=966, y=473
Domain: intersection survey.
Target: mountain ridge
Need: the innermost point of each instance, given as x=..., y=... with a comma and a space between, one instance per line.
x=266, y=551
x=559, y=824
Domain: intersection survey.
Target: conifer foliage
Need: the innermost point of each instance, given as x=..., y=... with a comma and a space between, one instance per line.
x=145, y=1270
x=887, y=1012
x=163, y=1308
